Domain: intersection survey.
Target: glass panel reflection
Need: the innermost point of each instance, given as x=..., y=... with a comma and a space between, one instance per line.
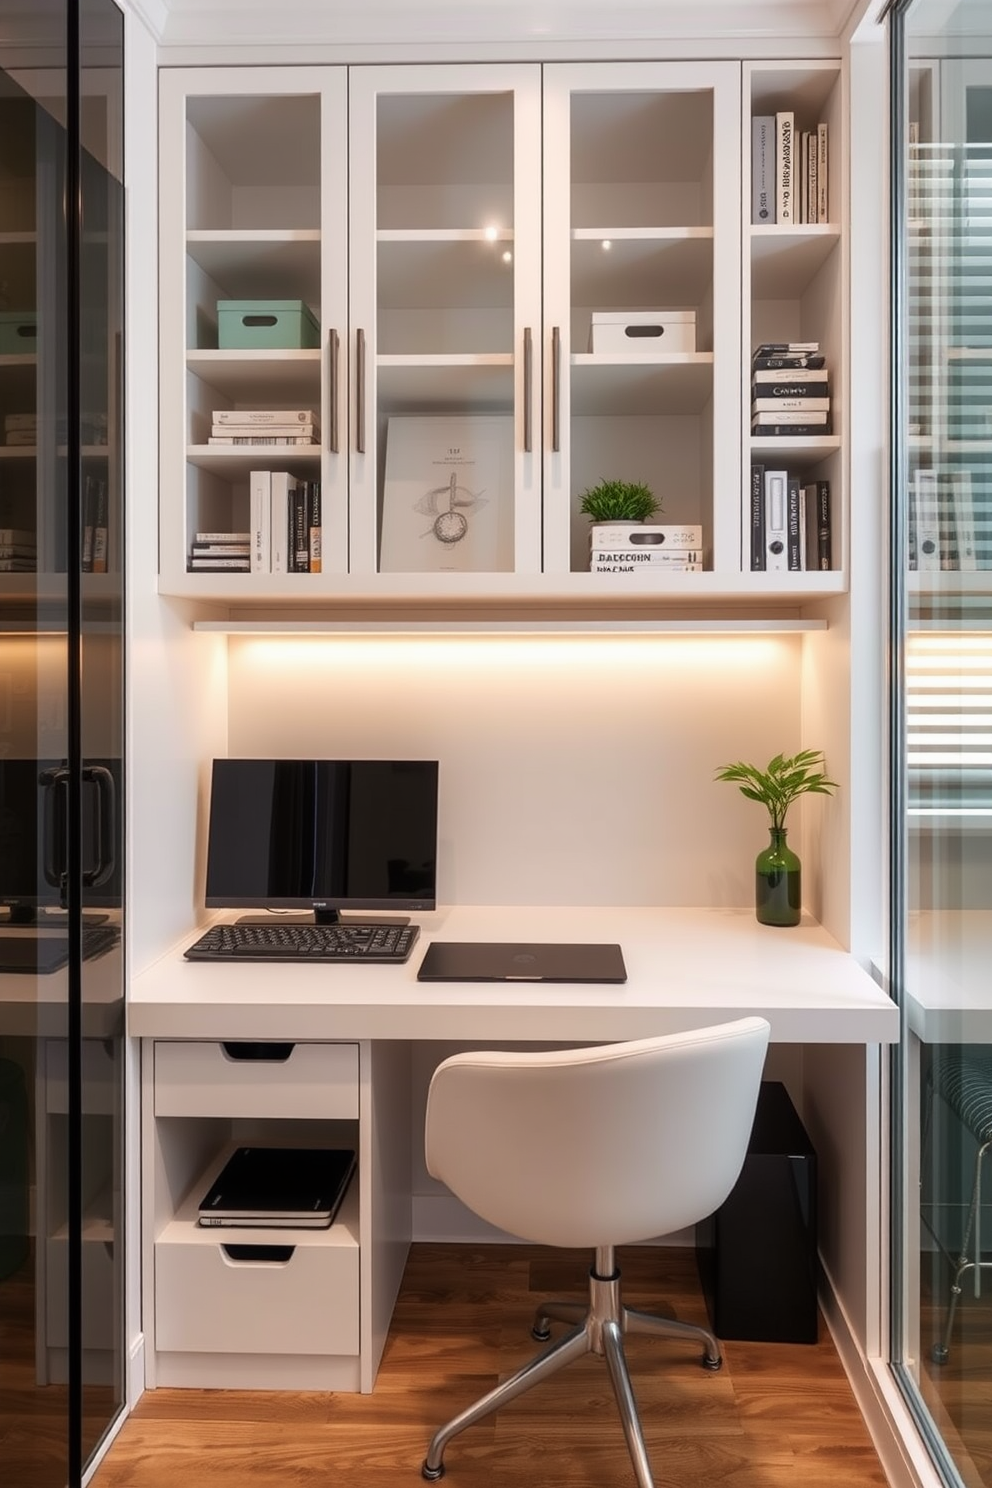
x=948, y=724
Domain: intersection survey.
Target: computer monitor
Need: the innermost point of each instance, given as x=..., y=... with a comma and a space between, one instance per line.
x=322, y=835
x=33, y=849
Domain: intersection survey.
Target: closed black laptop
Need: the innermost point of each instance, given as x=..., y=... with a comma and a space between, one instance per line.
x=279, y=1187
x=499, y=961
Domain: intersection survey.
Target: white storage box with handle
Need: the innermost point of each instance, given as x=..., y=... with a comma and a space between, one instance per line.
x=645, y=331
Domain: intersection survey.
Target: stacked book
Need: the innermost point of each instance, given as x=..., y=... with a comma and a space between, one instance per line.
x=96, y=530
x=20, y=429
x=18, y=550
x=625, y=547
x=788, y=170
x=948, y=528
x=264, y=426
x=790, y=389
x=285, y=523
x=788, y=522
x=220, y=552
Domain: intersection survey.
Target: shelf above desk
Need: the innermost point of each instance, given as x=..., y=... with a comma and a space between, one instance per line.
x=685, y=968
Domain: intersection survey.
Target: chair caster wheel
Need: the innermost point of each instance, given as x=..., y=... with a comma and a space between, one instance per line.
x=432, y=1473
x=939, y=1353
x=540, y=1335
x=713, y=1364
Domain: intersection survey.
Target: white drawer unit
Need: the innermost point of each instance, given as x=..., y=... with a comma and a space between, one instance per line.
x=259, y=1307
x=251, y=1079
x=259, y=1291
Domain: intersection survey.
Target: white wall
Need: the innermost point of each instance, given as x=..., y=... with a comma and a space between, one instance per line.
x=572, y=770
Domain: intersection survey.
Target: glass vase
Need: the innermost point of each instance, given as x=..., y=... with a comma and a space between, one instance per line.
x=778, y=892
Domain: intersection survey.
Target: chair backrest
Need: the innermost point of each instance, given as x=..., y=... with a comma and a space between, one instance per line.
x=598, y=1146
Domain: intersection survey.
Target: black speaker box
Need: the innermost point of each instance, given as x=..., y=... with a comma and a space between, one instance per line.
x=757, y=1254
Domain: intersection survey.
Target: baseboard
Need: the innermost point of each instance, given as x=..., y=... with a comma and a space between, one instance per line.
x=904, y=1458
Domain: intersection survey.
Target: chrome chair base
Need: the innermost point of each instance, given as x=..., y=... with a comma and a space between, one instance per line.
x=597, y=1328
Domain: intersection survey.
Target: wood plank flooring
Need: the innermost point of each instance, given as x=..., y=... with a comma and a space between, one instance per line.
x=774, y=1416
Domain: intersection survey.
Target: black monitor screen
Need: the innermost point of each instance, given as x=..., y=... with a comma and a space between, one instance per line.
x=322, y=834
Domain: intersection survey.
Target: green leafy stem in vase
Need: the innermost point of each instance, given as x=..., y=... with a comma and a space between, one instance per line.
x=783, y=780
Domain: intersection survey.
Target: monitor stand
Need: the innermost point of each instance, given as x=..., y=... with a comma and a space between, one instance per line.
x=320, y=917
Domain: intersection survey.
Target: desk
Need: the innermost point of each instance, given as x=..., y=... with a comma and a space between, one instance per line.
x=345, y=1076
x=685, y=967
x=948, y=992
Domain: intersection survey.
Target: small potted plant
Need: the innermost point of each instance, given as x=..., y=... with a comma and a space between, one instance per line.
x=777, y=869
x=613, y=501
x=616, y=503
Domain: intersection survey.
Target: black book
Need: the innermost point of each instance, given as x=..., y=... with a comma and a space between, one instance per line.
x=777, y=431
x=279, y=1187
x=795, y=361
x=756, y=517
x=818, y=526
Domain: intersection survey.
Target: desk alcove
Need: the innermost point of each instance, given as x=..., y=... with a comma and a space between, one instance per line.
x=320, y=1319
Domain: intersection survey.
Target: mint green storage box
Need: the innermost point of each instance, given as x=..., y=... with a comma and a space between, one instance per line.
x=18, y=331
x=260, y=325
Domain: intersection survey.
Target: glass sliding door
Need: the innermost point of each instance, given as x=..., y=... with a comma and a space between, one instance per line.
x=61, y=731
x=942, y=233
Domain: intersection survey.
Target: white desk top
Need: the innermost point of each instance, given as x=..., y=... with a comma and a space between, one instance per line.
x=685, y=968
x=948, y=987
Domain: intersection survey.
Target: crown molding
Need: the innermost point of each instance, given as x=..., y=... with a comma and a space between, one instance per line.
x=382, y=25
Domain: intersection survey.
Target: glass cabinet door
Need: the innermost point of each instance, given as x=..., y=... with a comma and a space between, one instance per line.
x=445, y=320
x=642, y=347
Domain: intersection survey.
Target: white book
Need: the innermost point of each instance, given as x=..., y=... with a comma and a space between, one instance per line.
x=622, y=563
x=785, y=404
x=790, y=416
x=264, y=440
x=813, y=212
x=964, y=518
x=822, y=195
x=785, y=167
x=260, y=517
x=787, y=375
x=645, y=558
x=252, y=417
x=926, y=520
x=776, y=521
x=283, y=486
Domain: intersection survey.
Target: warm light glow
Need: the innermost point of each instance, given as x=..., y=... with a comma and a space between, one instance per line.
x=491, y=233
x=607, y=245
x=604, y=656
x=507, y=257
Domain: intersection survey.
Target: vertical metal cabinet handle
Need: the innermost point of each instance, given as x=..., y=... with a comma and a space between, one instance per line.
x=360, y=378
x=528, y=389
x=334, y=346
x=556, y=388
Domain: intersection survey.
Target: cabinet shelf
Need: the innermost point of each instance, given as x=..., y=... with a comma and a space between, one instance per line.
x=281, y=375
x=695, y=590
x=260, y=264
x=233, y=462
x=633, y=383
x=482, y=383
x=807, y=447
x=784, y=259
x=643, y=269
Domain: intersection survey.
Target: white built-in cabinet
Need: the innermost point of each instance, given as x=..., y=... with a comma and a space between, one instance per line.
x=453, y=228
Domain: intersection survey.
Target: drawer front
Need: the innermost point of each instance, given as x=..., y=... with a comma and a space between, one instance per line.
x=253, y=1079
x=208, y=1302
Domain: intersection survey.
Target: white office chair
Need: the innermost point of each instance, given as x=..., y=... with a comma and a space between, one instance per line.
x=595, y=1147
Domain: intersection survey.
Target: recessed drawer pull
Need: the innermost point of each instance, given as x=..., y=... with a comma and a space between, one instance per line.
x=276, y=1255
x=278, y=1053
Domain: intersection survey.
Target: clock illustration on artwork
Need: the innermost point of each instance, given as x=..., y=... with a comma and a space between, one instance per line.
x=448, y=506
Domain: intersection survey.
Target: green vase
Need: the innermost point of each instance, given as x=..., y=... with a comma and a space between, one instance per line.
x=778, y=894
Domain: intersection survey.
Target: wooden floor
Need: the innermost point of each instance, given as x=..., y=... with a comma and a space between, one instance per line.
x=775, y=1416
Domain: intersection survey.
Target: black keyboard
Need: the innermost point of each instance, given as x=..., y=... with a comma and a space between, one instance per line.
x=305, y=943
x=37, y=955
